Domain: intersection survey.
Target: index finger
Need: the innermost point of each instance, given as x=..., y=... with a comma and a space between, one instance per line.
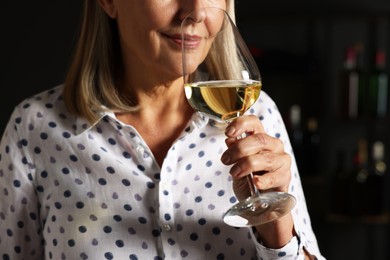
x=246, y=124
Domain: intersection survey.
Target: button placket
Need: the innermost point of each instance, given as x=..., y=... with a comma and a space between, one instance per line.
x=165, y=195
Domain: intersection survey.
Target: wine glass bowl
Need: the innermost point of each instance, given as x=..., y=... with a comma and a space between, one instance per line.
x=222, y=81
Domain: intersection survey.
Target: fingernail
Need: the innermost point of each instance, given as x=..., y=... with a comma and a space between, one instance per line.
x=225, y=158
x=235, y=170
x=230, y=130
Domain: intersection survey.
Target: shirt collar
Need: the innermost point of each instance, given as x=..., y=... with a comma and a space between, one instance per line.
x=198, y=120
x=83, y=125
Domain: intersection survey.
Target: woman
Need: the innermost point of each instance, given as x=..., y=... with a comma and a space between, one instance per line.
x=115, y=164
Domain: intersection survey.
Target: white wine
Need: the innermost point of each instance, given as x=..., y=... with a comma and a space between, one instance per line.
x=223, y=100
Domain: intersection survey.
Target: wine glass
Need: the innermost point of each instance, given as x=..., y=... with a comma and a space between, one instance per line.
x=222, y=81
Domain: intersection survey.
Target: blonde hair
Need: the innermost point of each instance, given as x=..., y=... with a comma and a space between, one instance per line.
x=222, y=60
x=91, y=82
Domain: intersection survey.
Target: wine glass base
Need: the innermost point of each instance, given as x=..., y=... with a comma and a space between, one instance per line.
x=259, y=209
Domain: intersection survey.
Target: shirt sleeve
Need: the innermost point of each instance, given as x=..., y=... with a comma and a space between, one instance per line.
x=306, y=238
x=292, y=250
x=20, y=229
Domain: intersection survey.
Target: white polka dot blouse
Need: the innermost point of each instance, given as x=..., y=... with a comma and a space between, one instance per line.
x=74, y=190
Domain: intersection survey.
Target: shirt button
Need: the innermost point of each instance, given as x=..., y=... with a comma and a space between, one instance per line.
x=140, y=149
x=167, y=227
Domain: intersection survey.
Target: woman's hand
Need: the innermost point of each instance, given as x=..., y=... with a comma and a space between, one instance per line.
x=259, y=153
x=264, y=156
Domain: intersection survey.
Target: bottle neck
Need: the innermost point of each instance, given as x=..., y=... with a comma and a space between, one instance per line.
x=378, y=156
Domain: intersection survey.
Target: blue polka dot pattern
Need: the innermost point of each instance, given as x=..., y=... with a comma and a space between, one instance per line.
x=71, y=190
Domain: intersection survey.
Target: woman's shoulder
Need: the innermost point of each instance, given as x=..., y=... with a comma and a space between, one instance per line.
x=264, y=105
x=47, y=98
x=41, y=108
x=267, y=111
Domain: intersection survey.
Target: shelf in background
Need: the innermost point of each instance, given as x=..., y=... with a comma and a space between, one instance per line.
x=383, y=219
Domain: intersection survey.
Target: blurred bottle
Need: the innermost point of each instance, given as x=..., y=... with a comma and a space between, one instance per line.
x=356, y=189
x=296, y=134
x=378, y=87
x=353, y=83
x=375, y=183
x=368, y=188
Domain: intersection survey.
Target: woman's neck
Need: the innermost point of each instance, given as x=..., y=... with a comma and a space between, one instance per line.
x=162, y=115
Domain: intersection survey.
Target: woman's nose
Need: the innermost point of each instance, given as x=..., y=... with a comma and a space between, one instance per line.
x=197, y=16
x=194, y=9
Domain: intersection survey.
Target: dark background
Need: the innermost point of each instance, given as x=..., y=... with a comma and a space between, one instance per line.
x=299, y=46
x=35, y=47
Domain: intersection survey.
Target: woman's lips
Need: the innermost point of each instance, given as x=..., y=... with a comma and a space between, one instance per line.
x=190, y=41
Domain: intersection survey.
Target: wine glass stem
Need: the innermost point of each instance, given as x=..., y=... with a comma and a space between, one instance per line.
x=252, y=187
x=249, y=177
